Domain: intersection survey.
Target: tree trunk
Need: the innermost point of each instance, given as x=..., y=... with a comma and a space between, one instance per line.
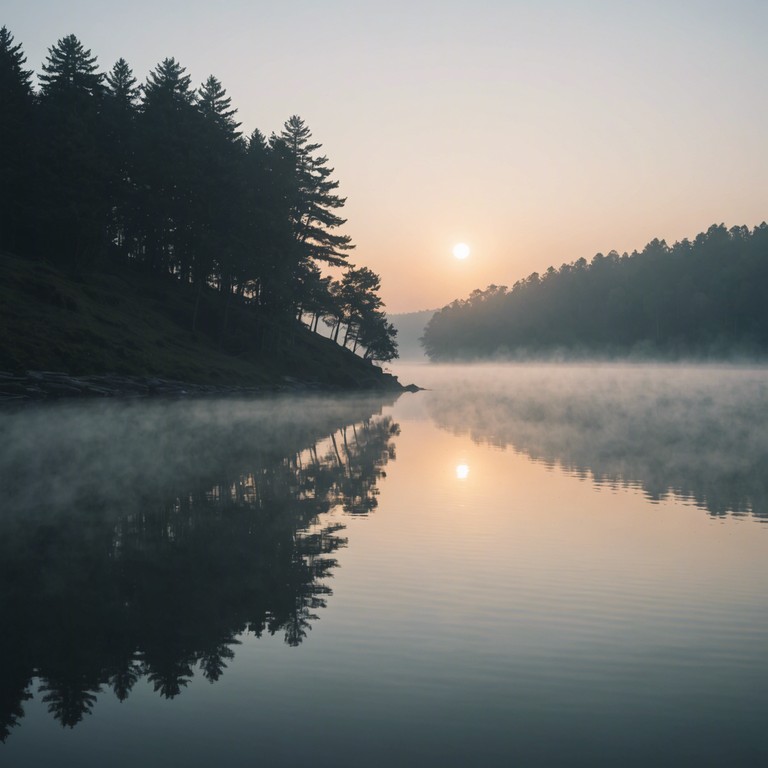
x=197, y=306
x=223, y=330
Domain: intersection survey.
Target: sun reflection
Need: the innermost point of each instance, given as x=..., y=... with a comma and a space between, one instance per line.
x=462, y=471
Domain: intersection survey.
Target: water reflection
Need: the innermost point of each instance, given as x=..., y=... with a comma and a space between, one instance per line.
x=141, y=540
x=462, y=471
x=700, y=434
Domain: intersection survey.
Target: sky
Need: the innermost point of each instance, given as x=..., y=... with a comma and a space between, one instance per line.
x=537, y=132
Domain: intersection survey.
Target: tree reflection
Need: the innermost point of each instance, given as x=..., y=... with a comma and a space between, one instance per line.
x=160, y=585
x=698, y=434
x=69, y=700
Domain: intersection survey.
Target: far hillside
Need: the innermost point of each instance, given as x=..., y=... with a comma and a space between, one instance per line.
x=410, y=328
x=704, y=297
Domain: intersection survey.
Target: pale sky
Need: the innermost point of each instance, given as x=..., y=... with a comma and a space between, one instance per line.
x=536, y=132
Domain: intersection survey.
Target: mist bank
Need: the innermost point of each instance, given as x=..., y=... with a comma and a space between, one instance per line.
x=696, y=433
x=111, y=456
x=695, y=299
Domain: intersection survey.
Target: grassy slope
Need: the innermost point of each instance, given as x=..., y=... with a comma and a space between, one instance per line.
x=121, y=321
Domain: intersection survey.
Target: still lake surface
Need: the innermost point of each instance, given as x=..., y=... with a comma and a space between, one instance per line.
x=524, y=565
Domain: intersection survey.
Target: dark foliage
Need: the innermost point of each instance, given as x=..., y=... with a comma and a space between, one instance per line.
x=700, y=297
x=16, y=146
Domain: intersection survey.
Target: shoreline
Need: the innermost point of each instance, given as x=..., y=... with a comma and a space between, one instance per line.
x=36, y=386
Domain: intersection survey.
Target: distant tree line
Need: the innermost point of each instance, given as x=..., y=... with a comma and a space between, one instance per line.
x=96, y=167
x=705, y=296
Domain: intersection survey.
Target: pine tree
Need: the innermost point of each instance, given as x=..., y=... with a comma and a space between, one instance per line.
x=271, y=266
x=121, y=85
x=220, y=208
x=314, y=203
x=70, y=67
x=216, y=106
x=74, y=173
x=169, y=82
x=378, y=337
x=16, y=118
x=120, y=111
x=15, y=81
x=167, y=172
x=359, y=299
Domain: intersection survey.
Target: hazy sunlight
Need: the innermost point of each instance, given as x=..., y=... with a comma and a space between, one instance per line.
x=462, y=471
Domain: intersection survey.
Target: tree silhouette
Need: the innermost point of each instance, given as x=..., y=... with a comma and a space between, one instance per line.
x=314, y=200
x=120, y=110
x=121, y=86
x=377, y=335
x=165, y=170
x=73, y=173
x=69, y=701
x=213, y=660
x=70, y=68
x=13, y=694
x=125, y=677
x=221, y=248
x=97, y=169
x=216, y=106
x=16, y=146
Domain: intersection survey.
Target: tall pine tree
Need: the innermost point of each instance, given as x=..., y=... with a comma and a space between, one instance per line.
x=75, y=171
x=120, y=110
x=166, y=169
x=315, y=203
x=70, y=67
x=16, y=147
x=216, y=106
x=220, y=200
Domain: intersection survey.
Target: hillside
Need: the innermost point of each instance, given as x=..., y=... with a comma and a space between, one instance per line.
x=124, y=321
x=697, y=298
x=410, y=328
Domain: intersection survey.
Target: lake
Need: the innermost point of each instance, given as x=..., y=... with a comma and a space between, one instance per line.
x=533, y=565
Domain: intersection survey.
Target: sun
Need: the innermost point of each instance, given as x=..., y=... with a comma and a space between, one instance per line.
x=461, y=251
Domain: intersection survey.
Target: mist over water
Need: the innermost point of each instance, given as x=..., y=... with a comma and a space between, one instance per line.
x=114, y=455
x=510, y=568
x=699, y=433
x=139, y=540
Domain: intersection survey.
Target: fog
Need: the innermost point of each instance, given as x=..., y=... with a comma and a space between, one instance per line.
x=142, y=540
x=114, y=455
x=145, y=537
x=699, y=433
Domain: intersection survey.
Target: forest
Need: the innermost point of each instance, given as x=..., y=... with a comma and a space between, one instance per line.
x=702, y=298
x=98, y=169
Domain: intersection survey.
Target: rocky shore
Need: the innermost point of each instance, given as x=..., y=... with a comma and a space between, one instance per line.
x=117, y=334
x=50, y=385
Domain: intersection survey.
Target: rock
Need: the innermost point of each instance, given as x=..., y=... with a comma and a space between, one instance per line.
x=37, y=385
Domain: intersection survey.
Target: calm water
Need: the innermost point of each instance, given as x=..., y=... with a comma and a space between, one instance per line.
x=533, y=566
